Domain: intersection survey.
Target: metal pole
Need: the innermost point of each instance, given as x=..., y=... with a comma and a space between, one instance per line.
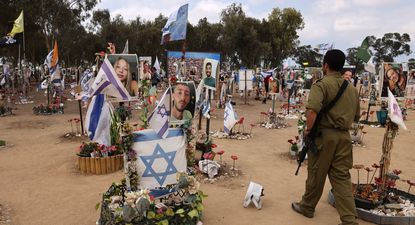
x=208, y=119
x=80, y=116
x=200, y=113
x=245, y=88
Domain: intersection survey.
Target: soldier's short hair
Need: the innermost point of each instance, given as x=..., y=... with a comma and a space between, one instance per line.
x=335, y=59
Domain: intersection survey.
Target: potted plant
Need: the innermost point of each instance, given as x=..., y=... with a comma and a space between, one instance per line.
x=99, y=159
x=293, y=146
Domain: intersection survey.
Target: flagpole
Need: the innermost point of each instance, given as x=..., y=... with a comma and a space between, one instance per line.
x=24, y=45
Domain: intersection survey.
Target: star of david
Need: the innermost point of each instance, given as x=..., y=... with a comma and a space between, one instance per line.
x=149, y=161
x=162, y=111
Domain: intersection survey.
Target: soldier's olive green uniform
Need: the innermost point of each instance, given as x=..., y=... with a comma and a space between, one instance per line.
x=334, y=157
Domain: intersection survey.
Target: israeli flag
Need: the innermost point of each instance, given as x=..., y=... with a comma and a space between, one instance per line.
x=230, y=118
x=98, y=120
x=86, y=82
x=44, y=84
x=108, y=83
x=159, y=118
x=206, y=109
x=160, y=159
x=176, y=25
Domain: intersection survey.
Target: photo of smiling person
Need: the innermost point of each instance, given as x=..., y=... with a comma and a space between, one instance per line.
x=183, y=102
x=124, y=66
x=394, y=79
x=209, y=73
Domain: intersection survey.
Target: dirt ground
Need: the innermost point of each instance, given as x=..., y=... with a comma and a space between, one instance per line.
x=40, y=183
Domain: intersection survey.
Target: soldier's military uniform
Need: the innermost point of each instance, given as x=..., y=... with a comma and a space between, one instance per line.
x=334, y=157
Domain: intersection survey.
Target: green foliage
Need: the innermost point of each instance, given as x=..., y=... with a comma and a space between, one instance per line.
x=352, y=59
x=243, y=40
x=115, y=129
x=306, y=53
x=384, y=49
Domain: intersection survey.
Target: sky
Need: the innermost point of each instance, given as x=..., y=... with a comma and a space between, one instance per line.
x=342, y=22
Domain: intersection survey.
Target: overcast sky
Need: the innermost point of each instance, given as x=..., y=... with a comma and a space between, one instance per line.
x=342, y=22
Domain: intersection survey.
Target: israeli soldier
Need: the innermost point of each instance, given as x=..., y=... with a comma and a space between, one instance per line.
x=334, y=155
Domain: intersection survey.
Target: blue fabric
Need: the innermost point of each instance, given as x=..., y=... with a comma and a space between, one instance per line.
x=95, y=114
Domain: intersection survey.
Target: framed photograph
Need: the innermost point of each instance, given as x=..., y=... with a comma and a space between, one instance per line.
x=394, y=78
x=183, y=102
x=126, y=67
x=194, y=66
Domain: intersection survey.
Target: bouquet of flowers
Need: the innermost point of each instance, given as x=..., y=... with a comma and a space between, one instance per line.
x=95, y=150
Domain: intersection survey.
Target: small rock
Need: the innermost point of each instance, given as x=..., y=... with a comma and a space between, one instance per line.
x=242, y=185
x=394, y=206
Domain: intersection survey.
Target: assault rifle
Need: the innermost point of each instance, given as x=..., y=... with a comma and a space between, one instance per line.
x=309, y=144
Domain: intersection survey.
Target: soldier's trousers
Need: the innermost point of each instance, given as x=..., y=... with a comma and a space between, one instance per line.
x=335, y=159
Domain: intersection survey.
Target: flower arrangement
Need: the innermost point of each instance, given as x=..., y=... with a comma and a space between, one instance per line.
x=378, y=190
x=95, y=150
x=293, y=144
x=139, y=207
x=48, y=109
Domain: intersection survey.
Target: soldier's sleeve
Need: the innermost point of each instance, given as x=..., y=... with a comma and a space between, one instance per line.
x=316, y=97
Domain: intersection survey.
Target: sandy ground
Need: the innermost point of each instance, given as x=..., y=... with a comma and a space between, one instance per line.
x=40, y=184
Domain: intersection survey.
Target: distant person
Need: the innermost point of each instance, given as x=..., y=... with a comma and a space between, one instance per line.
x=209, y=80
x=334, y=155
x=122, y=69
x=181, y=98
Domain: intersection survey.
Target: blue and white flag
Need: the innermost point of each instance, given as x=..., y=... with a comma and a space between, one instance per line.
x=159, y=118
x=7, y=41
x=176, y=26
x=108, y=83
x=98, y=120
x=230, y=118
x=85, y=82
x=206, y=109
x=160, y=159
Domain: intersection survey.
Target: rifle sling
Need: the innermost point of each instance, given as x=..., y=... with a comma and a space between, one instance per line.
x=327, y=108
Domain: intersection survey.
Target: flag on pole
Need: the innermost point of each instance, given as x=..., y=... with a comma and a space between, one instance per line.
x=7, y=40
x=108, y=83
x=125, y=51
x=176, y=26
x=370, y=65
x=363, y=52
x=159, y=118
x=52, y=62
x=206, y=109
x=157, y=65
x=159, y=159
x=18, y=26
x=394, y=111
x=86, y=81
x=98, y=120
x=230, y=118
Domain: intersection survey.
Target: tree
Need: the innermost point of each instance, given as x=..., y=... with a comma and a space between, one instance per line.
x=283, y=27
x=307, y=54
x=390, y=46
x=352, y=59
